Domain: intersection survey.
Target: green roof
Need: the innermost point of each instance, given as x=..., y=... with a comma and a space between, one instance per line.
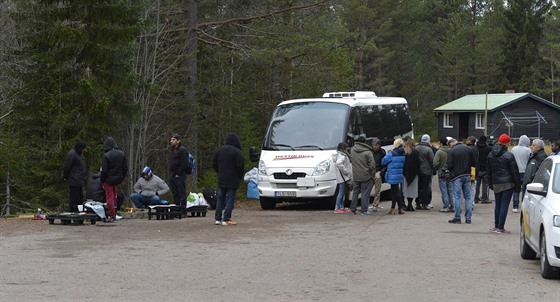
x=477, y=102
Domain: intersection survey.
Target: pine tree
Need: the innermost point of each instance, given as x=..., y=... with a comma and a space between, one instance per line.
x=76, y=85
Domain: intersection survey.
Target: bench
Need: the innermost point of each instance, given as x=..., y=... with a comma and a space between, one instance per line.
x=197, y=211
x=73, y=218
x=163, y=212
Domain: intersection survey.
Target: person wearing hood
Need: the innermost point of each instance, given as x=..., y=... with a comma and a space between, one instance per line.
x=74, y=172
x=521, y=152
x=481, y=175
x=229, y=162
x=363, y=171
x=440, y=165
x=503, y=179
x=148, y=189
x=114, y=169
x=394, y=161
x=425, y=174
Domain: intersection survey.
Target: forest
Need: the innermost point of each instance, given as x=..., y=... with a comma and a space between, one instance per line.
x=140, y=70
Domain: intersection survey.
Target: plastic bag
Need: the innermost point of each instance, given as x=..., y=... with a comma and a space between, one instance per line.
x=192, y=200
x=251, y=175
x=252, y=190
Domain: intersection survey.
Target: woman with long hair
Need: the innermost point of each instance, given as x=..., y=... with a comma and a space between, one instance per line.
x=394, y=161
x=411, y=170
x=344, y=174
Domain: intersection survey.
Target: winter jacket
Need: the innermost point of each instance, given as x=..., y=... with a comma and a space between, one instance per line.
x=377, y=157
x=426, y=158
x=440, y=159
x=522, y=152
x=114, y=167
x=501, y=168
x=483, y=151
x=151, y=187
x=460, y=159
x=533, y=165
x=74, y=169
x=343, y=165
x=95, y=190
x=229, y=162
x=394, y=161
x=363, y=167
x=178, y=163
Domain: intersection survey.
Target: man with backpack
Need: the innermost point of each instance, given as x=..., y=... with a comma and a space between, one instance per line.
x=178, y=166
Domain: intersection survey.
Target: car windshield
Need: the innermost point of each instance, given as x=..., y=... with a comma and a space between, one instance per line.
x=306, y=126
x=556, y=179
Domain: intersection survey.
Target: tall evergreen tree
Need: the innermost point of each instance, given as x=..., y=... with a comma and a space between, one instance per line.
x=76, y=84
x=523, y=35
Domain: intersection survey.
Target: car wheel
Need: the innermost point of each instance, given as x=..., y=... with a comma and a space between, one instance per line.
x=525, y=250
x=267, y=203
x=547, y=271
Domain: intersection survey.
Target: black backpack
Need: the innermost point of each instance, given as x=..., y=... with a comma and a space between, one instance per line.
x=210, y=196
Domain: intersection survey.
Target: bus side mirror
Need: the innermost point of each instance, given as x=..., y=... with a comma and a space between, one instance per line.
x=254, y=155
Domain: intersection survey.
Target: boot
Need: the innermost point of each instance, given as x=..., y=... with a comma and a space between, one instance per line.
x=391, y=211
x=401, y=211
x=410, y=207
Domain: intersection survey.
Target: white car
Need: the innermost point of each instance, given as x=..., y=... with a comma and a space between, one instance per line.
x=540, y=219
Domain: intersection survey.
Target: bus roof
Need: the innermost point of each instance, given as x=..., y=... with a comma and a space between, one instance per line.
x=351, y=101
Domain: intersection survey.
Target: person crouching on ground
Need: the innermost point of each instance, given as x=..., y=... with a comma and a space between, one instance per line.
x=148, y=189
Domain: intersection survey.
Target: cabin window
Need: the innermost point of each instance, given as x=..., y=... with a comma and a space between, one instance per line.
x=447, y=120
x=479, y=121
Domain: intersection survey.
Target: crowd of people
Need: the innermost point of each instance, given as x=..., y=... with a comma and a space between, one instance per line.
x=465, y=171
x=228, y=162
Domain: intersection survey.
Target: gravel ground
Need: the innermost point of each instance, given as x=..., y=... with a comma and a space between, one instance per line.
x=292, y=253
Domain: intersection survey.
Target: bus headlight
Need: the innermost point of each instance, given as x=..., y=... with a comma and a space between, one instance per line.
x=322, y=168
x=262, y=167
x=556, y=221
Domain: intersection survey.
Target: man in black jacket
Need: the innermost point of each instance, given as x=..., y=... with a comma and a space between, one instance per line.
x=503, y=179
x=74, y=171
x=481, y=176
x=535, y=161
x=460, y=159
x=178, y=165
x=229, y=162
x=113, y=171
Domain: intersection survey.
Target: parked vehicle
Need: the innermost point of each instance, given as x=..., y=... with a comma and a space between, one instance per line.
x=540, y=219
x=295, y=162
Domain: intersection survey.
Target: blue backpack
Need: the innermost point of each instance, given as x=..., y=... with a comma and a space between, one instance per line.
x=191, y=163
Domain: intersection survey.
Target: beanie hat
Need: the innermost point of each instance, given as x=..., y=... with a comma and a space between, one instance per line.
x=361, y=139
x=147, y=171
x=176, y=136
x=504, y=139
x=425, y=138
x=482, y=139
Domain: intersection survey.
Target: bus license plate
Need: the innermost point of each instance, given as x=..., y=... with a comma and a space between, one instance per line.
x=285, y=193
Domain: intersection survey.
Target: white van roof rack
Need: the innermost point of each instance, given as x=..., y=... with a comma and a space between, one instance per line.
x=350, y=94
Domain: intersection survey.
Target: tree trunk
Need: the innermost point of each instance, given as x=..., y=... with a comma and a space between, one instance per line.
x=191, y=84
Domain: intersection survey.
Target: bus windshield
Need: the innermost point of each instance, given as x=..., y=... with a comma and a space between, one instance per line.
x=307, y=126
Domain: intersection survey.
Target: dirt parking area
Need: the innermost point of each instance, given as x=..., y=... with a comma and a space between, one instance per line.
x=292, y=253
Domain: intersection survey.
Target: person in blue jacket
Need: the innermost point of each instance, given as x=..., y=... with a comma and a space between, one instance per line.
x=394, y=161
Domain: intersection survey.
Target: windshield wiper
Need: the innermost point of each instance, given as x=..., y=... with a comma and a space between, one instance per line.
x=283, y=145
x=309, y=146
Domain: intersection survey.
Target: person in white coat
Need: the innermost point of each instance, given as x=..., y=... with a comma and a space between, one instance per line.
x=343, y=174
